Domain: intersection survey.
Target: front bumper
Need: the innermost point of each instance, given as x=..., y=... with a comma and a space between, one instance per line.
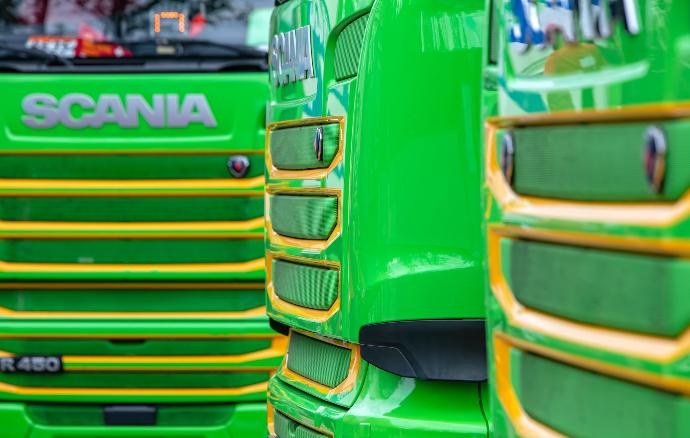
x=387, y=405
x=246, y=421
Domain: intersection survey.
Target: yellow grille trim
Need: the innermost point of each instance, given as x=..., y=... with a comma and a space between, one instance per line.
x=643, y=214
x=252, y=228
x=254, y=265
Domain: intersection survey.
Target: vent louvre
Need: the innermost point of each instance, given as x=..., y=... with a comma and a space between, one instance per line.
x=304, y=217
x=318, y=361
x=643, y=293
x=293, y=148
x=305, y=286
x=348, y=48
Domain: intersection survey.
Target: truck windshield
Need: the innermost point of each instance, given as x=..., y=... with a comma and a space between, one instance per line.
x=71, y=31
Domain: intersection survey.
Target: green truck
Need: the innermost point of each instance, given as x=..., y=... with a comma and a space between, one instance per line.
x=587, y=208
x=131, y=219
x=373, y=221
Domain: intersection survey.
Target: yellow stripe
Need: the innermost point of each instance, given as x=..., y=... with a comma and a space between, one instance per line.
x=132, y=286
x=142, y=392
x=252, y=313
x=225, y=229
x=137, y=336
x=174, y=187
x=250, y=266
x=277, y=349
x=133, y=151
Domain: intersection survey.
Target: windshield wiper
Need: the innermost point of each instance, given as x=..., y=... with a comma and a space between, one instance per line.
x=241, y=50
x=36, y=54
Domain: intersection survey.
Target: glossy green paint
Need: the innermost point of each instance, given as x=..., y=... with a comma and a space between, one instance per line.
x=389, y=406
x=18, y=421
x=409, y=244
x=164, y=206
x=629, y=78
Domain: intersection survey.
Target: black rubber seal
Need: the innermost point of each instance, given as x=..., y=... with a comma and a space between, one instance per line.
x=450, y=350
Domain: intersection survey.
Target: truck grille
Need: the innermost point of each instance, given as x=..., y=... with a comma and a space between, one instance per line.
x=305, y=285
x=287, y=428
x=629, y=291
x=149, y=286
x=304, y=217
x=577, y=402
x=318, y=361
x=597, y=162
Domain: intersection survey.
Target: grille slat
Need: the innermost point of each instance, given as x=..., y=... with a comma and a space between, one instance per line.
x=286, y=428
x=348, y=47
x=577, y=402
x=319, y=361
x=304, y=217
x=597, y=162
x=644, y=293
x=293, y=148
x=303, y=285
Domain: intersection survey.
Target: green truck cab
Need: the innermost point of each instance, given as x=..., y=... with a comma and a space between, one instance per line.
x=131, y=219
x=373, y=222
x=588, y=225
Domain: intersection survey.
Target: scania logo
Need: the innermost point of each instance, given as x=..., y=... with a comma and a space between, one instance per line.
x=79, y=111
x=291, y=56
x=654, y=155
x=539, y=22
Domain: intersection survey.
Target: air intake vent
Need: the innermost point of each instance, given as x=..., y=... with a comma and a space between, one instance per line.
x=304, y=217
x=348, y=48
x=611, y=162
x=306, y=147
x=305, y=286
x=286, y=428
x=318, y=361
x=643, y=293
x=576, y=402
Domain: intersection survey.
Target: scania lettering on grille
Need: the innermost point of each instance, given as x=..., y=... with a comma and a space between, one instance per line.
x=291, y=56
x=79, y=111
x=538, y=22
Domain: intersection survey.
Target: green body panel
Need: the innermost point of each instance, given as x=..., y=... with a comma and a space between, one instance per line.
x=580, y=112
x=406, y=241
x=389, y=406
x=121, y=209
x=293, y=148
x=124, y=167
x=187, y=299
x=135, y=255
x=205, y=421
